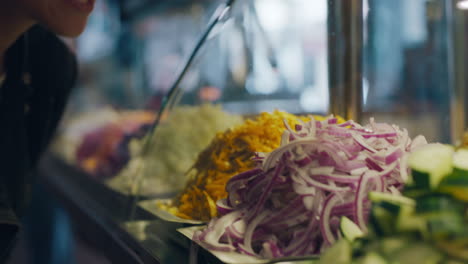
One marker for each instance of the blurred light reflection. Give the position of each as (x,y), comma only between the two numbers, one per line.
(463,4)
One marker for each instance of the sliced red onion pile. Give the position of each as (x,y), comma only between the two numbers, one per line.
(292,203)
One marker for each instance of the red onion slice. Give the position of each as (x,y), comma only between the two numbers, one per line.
(291,204)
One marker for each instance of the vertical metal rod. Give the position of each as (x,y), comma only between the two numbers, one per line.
(335,54)
(345,45)
(457,80)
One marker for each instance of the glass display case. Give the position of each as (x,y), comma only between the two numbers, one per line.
(214,112)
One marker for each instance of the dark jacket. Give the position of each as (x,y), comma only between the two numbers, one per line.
(40,71)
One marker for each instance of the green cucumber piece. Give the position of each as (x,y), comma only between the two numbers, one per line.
(421,180)
(456,185)
(373,258)
(349,229)
(408,221)
(459,192)
(386,210)
(437,203)
(445,225)
(339,253)
(394,209)
(415,192)
(382,220)
(390,198)
(460,160)
(455,179)
(430,164)
(390,245)
(417,253)
(442,213)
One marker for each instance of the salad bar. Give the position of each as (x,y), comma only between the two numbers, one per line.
(217,175)
(287,187)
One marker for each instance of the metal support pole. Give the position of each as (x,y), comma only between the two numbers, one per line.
(459,103)
(457,66)
(345,45)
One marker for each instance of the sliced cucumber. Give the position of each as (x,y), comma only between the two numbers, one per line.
(373,258)
(456,185)
(339,253)
(414,192)
(460,160)
(438,203)
(382,220)
(393,208)
(386,210)
(407,221)
(421,180)
(430,164)
(459,192)
(349,229)
(417,253)
(445,225)
(394,199)
(390,245)
(455,179)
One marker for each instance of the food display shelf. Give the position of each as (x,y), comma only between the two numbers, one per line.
(102,215)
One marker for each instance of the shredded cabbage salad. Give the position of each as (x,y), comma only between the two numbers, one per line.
(178,142)
(290,205)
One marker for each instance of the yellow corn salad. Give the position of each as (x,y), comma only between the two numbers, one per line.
(228,154)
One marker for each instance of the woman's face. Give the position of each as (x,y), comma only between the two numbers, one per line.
(64,17)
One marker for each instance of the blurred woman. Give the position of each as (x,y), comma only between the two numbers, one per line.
(37,72)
